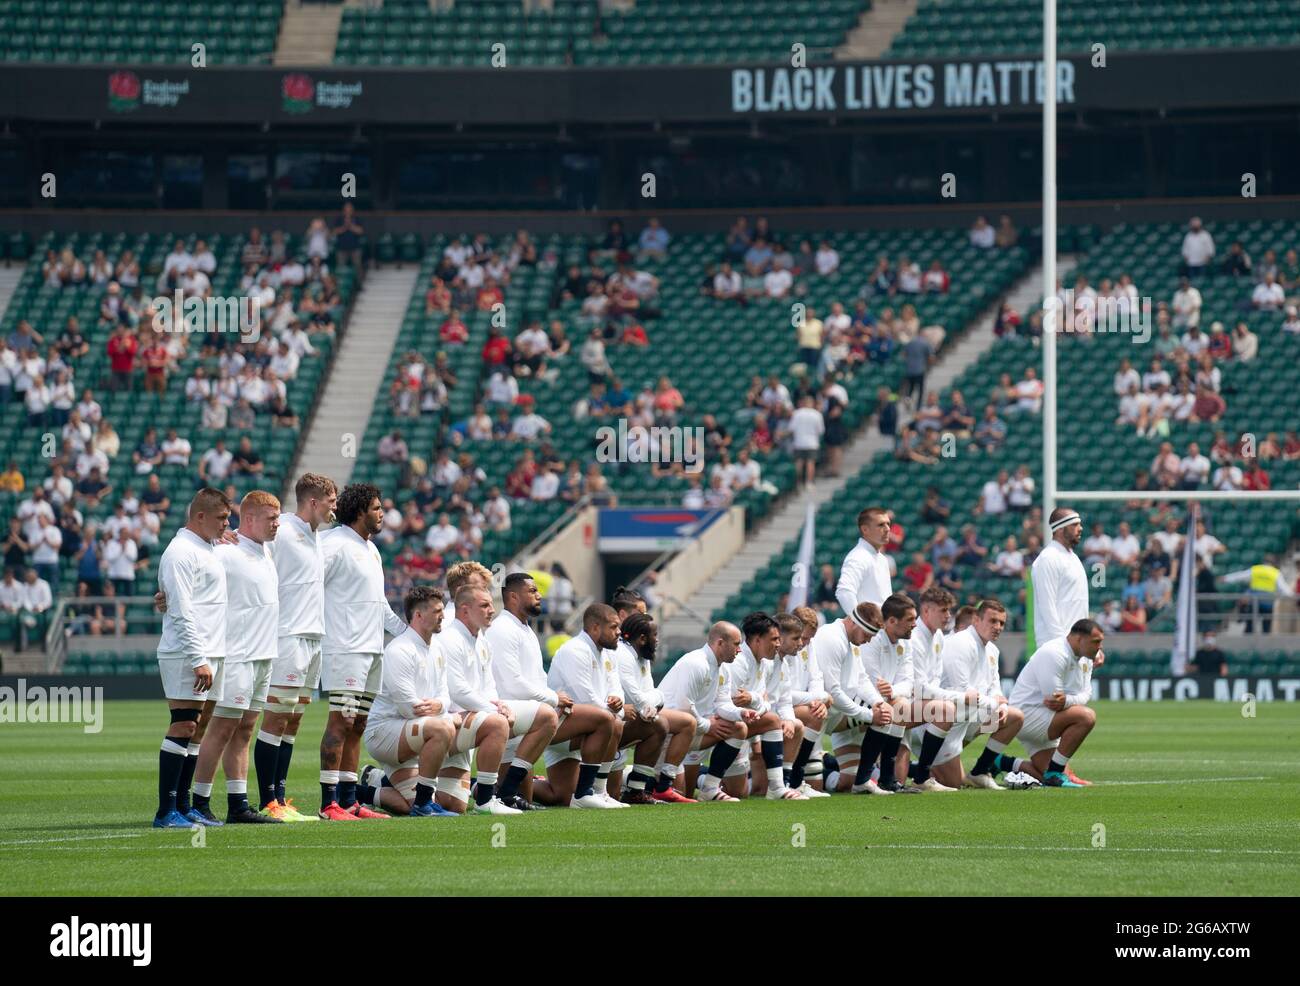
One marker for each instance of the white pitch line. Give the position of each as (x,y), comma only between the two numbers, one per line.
(1185,780)
(72,838)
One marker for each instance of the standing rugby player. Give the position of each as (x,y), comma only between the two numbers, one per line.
(192,646)
(295,672)
(356,615)
(864,573)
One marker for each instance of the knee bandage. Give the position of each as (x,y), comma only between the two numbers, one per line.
(282,699)
(454,787)
(348,703)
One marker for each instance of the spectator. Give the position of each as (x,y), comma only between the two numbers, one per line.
(919,574)
(1256,478)
(653,242)
(347,240)
(530,425)
(982,235)
(122,347)
(1268,295)
(393,448)
(45,548)
(991,432)
(176,450)
(807,426)
(247,461)
(36,600)
(1124,547)
(917,359)
(1197,250)
(1187,305)
(1209,658)
(11,481)
(120,556)
(1245,344)
(1193,469)
(1237,262)
(993,495)
(1006,236)
(935,509)
(593,357)
(1020,490)
(1209,406)
(215,465)
(1157,591)
(1010,562)
(941,545)
(545,486)
(496,511)
(1133,617)
(1097,548)
(810,332)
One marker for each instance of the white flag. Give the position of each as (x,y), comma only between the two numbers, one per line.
(801,578)
(1185,625)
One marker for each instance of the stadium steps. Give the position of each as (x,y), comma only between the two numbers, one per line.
(9,278)
(309,34)
(349,393)
(876,29)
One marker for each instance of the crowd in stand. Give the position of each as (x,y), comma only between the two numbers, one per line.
(242,384)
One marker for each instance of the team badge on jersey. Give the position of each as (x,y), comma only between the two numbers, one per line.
(898,649)
(722,679)
(609,665)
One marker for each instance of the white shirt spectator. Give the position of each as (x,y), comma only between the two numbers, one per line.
(546,485)
(1096,549)
(777,283)
(827,261)
(176,451)
(120,557)
(1187,307)
(92,459)
(529,426)
(1194,468)
(1124,549)
(1198,247)
(45,546)
(1268,297)
(36,596)
(1228,478)
(1124,379)
(217,464)
(806,429)
(441,537)
(502,388)
(993,498)
(28,512)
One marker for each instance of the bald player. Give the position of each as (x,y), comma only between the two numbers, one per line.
(1054,689)
(699,684)
(1060,585)
(864,573)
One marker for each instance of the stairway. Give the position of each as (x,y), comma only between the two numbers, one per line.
(357,372)
(9,278)
(685,629)
(308,34)
(876,29)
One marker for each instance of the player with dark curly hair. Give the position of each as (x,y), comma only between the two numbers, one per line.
(356,615)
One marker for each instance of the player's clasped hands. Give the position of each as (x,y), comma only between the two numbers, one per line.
(427,707)
(882,714)
(885,689)
(1056,702)
(614,703)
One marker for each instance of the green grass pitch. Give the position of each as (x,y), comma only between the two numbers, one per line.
(1194,798)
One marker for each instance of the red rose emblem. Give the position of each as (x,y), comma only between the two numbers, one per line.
(298,91)
(123,91)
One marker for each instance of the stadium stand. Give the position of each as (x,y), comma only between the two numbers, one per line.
(717,353)
(1096,453)
(958,28)
(88,278)
(138,32)
(409,32)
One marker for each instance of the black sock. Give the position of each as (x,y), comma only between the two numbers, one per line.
(1057,763)
(829,763)
(483,793)
(266,758)
(773,753)
(722,757)
(184,782)
(889,758)
(347,794)
(170,765)
(586,780)
(203,802)
(508,787)
(366,794)
(282,768)
(930,747)
(237,802)
(801,758)
(423,795)
(663,783)
(984,765)
(1004,763)
(329,794)
(872,744)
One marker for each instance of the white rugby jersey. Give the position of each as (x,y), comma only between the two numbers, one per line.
(698,684)
(747,675)
(517,660)
(776,688)
(634,675)
(300,565)
(968,663)
(253,597)
(891,660)
(194,581)
(927,664)
(1055,667)
(864,577)
(469,669)
(842,671)
(805,678)
(356,611)
(585,672)
(413,671)
(1060,591)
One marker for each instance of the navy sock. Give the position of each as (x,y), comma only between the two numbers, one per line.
(800,762)
(329,794)
(872,744)
(237,802)
(930,747)
(829,763)
(1004,763)
(170,765)
(282,768)
(203,802)
(347,794)
(984,765)
(184,781)
(586,780)
(1057,764)
(889,758)
(423,795)
(366,794)
(509,785)
(773,753)
(722,757)
(266,759)
(663,783)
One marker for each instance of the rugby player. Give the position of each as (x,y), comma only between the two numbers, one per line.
(756,676)
(864,573)
(356,615)
(1053,689)
(809,697)
(925,739)
(191,648)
